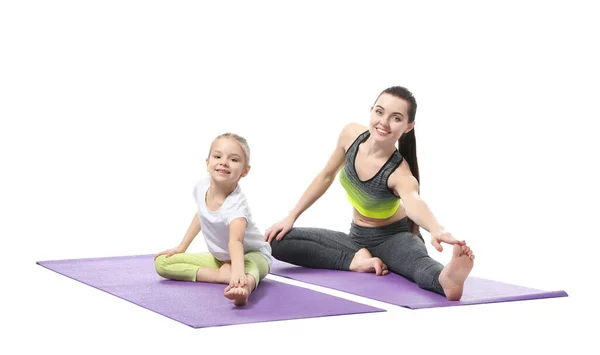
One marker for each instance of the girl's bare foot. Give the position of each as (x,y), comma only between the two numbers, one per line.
(453,276)
(239,295)
(363,261)
(225,273)
(221,275)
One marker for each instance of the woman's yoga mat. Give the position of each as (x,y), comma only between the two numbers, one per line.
(197,304)
(397,290)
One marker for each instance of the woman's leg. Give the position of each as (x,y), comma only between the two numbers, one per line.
(315,248)
(201,267)
(319,248)
(405,254)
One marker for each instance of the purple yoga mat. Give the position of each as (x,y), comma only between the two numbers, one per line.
(198,304)
(397,290)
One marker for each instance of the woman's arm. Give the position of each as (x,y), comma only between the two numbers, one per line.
(407,187)
(321,182)
(318,186)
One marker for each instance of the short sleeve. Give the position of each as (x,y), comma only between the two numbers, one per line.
(195,193)
(239,209)
(199,189)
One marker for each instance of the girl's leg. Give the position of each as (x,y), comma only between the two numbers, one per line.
(256,267)
(201,267)
(325,249)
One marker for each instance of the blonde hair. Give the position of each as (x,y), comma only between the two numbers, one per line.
(241,140)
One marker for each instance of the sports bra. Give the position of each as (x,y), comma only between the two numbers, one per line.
(371,198)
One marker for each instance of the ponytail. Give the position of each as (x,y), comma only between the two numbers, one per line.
(407,145)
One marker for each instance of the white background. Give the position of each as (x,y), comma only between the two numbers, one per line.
(108,109)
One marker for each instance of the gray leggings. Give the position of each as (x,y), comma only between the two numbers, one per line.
(403,252)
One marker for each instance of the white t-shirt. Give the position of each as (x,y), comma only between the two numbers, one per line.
(215,224)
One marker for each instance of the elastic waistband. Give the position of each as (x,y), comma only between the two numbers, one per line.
(369,232)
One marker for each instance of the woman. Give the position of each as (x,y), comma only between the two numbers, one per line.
(384,235)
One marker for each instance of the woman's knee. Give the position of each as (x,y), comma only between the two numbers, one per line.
(280,247)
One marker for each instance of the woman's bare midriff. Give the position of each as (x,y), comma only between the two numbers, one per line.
(363,221)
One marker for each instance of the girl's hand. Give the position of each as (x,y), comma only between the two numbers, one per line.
(279,229)
(443,236)
(170,252)
(238,279)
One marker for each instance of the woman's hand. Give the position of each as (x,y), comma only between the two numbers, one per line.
(279,229)
(442,236)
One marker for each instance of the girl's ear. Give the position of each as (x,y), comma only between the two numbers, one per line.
(246,171)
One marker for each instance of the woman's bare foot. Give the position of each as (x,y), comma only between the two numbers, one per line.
(239,295)
(453,276)
(363,261)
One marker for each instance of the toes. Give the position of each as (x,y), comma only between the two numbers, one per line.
(466,250)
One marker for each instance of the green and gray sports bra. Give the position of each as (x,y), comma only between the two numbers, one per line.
(371,198)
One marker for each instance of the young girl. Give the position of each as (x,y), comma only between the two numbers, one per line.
(238,255)
(376,176)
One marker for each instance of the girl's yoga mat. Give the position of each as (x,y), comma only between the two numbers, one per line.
(397,290)
(197,304)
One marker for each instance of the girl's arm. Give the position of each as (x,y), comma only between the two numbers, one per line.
(191,233)
(189,236)
(237,229)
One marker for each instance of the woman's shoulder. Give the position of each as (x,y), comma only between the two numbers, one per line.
(349,133)
(402,176)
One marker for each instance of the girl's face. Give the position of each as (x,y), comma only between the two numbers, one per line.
(389,118)
(227,161)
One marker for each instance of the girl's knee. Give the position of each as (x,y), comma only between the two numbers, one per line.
(160,264)
(256,264)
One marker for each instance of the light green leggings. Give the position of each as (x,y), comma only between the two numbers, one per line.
(183,267)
